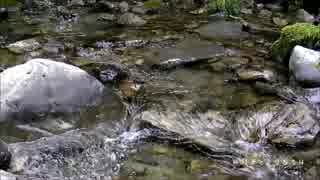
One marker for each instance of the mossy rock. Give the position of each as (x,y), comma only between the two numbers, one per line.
(7,3)
(304,34)
(152,4)
(230,7)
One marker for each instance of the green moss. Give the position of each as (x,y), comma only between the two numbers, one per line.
(6,3)
(303,34)
(231,7)
(152,4)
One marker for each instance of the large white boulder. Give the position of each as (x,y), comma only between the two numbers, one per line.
(304,64)
(45,86)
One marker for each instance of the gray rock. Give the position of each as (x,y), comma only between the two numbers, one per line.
(304,65)
(131,19)
(124,7)
(45,86)
(304,16)
(139,10)
(106,17)
(24,46)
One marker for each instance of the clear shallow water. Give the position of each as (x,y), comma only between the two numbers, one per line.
(115,151)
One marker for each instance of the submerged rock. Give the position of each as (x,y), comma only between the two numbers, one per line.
(305,66)
(223,29)
(24,46)
(45,86)
(249,75)
(131,19)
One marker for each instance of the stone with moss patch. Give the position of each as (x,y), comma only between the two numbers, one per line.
(304,34)
(152,4)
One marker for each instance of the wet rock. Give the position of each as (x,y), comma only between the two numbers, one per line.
(210,129)
(265,13)
(250,75)
(53,48)
(177,62)
(97,55)
(45,86)
(312,174)
(285,124)
(107,17)
(39,4)
(139,10)
(24,46)
(5,156)
(304,65)
(77,3)
(275,7)
(260,6)
(279,21)
(312,95)
(108,6)
(124,7)
(259,30)
(53,157)
(111,73)
(304,16)
(131,19)
(188,51)
(228,63)
(246,11)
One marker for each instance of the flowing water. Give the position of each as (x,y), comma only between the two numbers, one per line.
(186,123)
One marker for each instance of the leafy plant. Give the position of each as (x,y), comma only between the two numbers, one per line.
(230,7)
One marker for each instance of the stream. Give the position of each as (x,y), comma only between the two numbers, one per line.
(202,119)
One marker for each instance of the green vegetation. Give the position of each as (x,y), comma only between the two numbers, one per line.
(152,4)
(230,7)
(304,34)
(6,3)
